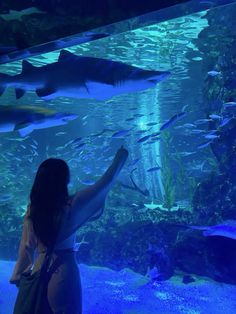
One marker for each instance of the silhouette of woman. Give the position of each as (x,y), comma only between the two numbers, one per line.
(53,217)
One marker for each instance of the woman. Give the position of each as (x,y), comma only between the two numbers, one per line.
(54,217)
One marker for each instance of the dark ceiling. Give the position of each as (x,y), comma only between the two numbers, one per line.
(89,7)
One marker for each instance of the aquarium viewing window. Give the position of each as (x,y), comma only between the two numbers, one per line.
(165,242)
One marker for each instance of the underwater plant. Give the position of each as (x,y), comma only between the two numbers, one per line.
(183,178)
(168,184)
(167,173)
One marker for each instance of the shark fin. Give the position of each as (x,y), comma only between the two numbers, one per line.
(19,92)
(45,91)
(65,54)
(26,66)
(2,89)
(25,131)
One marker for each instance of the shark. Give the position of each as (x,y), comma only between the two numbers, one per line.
(225,229)
(26,119)
(81,77)
(18,15)
(151,205)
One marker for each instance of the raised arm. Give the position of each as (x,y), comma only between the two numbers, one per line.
(86,203)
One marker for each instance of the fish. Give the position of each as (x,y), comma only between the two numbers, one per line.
(225,229)
(229,105)
(16,139)
(215,117)
(143,139)
(133,162)
(5,197)
(203,145)
(211,136)
(179,127)
(59,148)
(213,73)
(80,77)
(208,2)
(139,115)
(80,145)
(26,119)
(172,120)
(78,139)
(85,117)
(154,169)
(155,134)
(225,121)
(60,133)
(151,123)
(18,15)
(151,205)
(197,58)
(202,121)
(197,131)
(189,125)
(141,131)
(87,182)
(33,146)
(184,154)
(184,108)
(120,133)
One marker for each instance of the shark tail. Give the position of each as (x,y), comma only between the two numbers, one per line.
(203,228)
(3,82)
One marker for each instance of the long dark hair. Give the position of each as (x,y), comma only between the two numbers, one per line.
(48,196)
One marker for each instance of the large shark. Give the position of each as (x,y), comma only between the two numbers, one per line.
(81,77)
(25,119)
(225,229)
